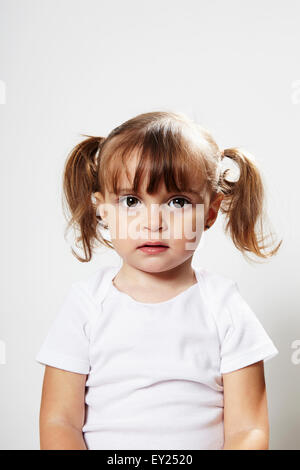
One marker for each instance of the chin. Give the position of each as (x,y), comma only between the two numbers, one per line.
(152,267)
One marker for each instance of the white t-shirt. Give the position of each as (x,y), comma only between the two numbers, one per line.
(154,369)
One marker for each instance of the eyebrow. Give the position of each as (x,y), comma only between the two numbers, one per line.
(190,191)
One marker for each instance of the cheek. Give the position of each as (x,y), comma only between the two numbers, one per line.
(184,225)
(124,226)
(197,219)
(187,230)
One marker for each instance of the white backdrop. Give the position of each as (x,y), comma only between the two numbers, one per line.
(70,67)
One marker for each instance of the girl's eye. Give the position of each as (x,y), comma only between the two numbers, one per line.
(131,202)
(181,204)
(129,199)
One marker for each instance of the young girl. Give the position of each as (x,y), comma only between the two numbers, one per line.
(154,353)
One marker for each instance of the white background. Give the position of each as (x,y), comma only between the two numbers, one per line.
(73,67)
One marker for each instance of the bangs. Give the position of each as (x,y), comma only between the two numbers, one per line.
(173,156)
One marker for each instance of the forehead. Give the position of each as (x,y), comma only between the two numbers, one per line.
(127,172)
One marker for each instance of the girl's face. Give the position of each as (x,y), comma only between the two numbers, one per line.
(174,219)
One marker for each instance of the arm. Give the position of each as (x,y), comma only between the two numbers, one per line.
(246,424)
(62,410)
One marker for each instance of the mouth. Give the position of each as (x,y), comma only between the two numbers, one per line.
(153,244)
(153,248)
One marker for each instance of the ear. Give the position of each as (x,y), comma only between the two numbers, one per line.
(99,197)
(99,202)
(213,210)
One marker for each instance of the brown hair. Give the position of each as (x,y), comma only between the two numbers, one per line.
(169,146)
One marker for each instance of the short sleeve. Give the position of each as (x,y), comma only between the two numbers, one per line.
(246,340)
(66,345)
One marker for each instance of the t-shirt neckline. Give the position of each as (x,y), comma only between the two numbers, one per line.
(152,304)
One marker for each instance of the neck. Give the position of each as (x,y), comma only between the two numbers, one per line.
(180,276)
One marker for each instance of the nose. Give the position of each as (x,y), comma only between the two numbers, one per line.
(153,218)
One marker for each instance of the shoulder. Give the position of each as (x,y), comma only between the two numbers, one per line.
(227,305)
(81,302)
(92,286)
(218,292)
(216,285)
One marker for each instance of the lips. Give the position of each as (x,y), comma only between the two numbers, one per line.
(153,244)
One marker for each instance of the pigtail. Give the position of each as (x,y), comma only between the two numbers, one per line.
(80,181)
(243,205)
